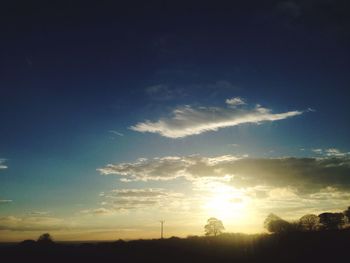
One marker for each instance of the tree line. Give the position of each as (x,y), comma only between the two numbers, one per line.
(309,222)
(275,224)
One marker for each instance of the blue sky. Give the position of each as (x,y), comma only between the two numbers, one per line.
(75,79)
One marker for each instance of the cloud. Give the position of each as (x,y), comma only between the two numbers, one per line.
(289,186)
(98,211)
(150,192)
(331,152)
(31,223)
(166,168)
(318,151)
(2,164)
(292,203)
(130,199)
(306,174)
(39,213)
(233,102)
(116,132)
(188,120)
(335,152)
(5,201)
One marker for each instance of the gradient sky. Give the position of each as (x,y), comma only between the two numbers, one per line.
(115,117)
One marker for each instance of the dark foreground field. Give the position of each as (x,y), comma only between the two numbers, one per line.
(326,246)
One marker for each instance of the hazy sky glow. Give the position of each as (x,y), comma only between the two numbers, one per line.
(115,117)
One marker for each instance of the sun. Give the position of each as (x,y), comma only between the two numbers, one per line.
(226,203)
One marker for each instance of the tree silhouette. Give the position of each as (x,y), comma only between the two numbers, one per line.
(309,222)
(45,239)
(275,224)
(347,213)
(213,227)
(332,221)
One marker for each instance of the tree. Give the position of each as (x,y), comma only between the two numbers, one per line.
(309,222)
(332,221)
(347,213)
(275,224)
(45,239)
(213,227)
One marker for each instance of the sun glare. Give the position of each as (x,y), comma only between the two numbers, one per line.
(226,203)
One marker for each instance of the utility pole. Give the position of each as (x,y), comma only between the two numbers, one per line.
(161,228)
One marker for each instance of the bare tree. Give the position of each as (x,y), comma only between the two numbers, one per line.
(213,227)
(309,222)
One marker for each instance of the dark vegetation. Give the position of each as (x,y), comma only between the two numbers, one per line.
(322,238)
(309,222)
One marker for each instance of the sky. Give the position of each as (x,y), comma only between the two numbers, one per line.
(114,117)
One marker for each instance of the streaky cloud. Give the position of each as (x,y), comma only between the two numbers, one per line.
(2,164)
(122,200)
(116,132)
(187,120)
(31,223)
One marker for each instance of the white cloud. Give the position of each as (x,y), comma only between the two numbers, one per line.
(2,164)
(188,120)
(318,151)
(335,152)
(331,152)
(233,102)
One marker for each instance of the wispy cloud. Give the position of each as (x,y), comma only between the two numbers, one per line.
(318,151)
(39,213)
(331,152)
(2,164)
(124,200)
(116,132)
(98,211)
(166,168)
(188,120)
(31,223)
(335,152)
